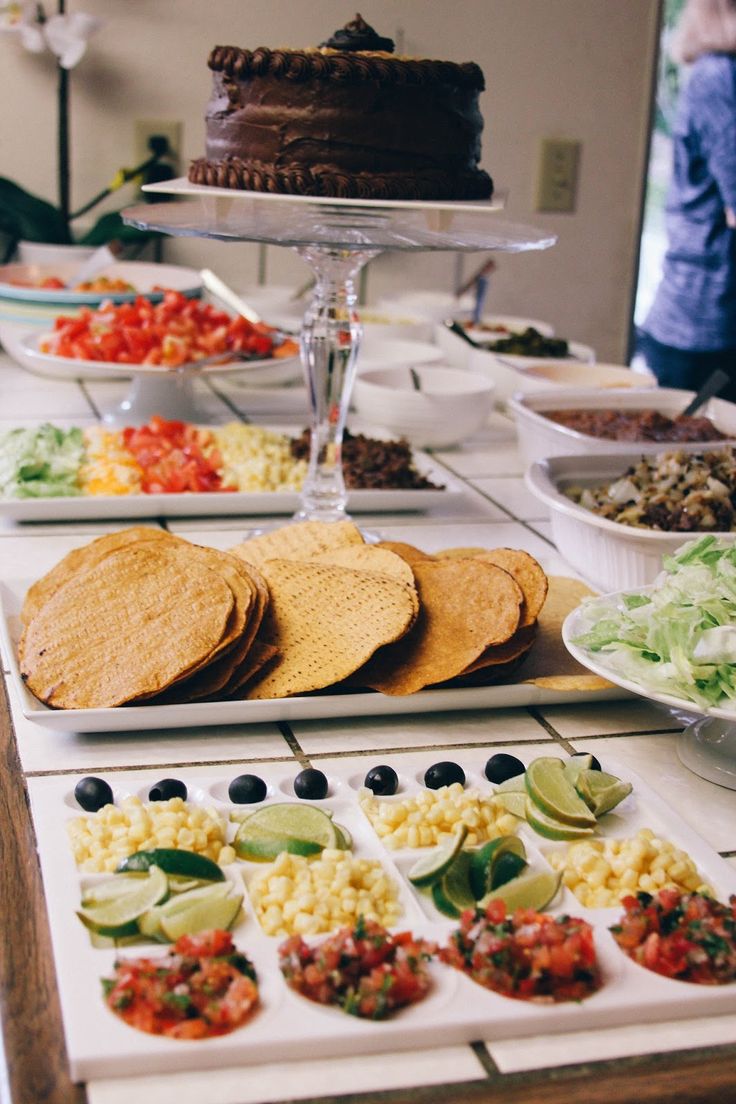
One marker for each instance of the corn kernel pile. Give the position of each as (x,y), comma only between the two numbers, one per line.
(426,818)
(601,872)
(99,841)
(257,459)
(300,896)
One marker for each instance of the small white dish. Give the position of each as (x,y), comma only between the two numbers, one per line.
(449,405)
(377,352)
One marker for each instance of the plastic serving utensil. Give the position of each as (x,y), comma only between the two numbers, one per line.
(101,258)
(226,295)
(715,382)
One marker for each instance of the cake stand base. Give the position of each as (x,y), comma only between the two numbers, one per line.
(172,396)
(708,748)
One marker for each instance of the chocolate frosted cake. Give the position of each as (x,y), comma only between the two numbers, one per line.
(346,119)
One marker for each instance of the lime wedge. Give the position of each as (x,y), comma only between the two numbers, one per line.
(575,764)
(456,882)
(118,912)
(443,903)
(507,866)
(113,888)
(202,915)
(483,860)
(289,820)
(600,791)
(344,838)
(553,829)
(517,784)
(429,868)
(534,890)
(513,802)
(267,848)
(552,791)
(186,864)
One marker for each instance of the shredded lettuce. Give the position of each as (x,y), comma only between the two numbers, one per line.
(678,636)
(40,463)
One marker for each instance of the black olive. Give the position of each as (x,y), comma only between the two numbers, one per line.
(594,764)
(310,784)
(501,766)
(443,774)
(92,793)
(382,780)
(247,789)
(166,789)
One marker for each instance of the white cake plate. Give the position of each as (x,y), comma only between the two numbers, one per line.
(336,238)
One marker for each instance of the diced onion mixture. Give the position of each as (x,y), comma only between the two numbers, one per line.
(364,969)
(673,491)
(529,955)
(689,936)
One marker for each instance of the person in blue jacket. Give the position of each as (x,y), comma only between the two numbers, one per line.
(690,330)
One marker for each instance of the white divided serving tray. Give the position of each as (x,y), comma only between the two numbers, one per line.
(287,1026)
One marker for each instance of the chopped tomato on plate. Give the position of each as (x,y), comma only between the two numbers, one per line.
(175,457)
(173,332)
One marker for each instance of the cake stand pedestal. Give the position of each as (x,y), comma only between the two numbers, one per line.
(707,747)
(336,238)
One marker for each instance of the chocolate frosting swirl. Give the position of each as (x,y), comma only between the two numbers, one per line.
(358,35)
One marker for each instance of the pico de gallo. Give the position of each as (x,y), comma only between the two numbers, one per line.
(688,936)
(173,332)
(203,987)
(529,956)
(365,970)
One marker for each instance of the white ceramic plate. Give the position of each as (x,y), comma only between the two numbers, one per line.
(48,364)
(245,504)
(596,662)
(144,276)
(288,1027)
(309,707)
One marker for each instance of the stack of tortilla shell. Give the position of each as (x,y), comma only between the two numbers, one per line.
(144,616)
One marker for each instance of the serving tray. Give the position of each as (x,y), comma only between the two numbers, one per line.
(308,707)
(289,1027)
(245,503)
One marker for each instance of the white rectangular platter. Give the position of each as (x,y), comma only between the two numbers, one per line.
(235,503)
(287,1026)
(308,707)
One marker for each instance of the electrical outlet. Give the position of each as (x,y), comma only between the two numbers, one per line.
(149,128)
(558,175)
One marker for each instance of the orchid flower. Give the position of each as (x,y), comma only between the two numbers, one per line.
(66,36)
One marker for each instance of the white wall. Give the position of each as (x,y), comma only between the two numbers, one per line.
(577,69)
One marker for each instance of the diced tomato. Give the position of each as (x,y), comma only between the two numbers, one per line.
(365,970)
(173,332)
(530,955)
(203,987)
(689,936)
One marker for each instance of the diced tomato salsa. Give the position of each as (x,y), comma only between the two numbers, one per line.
(365,970)
(203,987)
(530,955)
(688,936)
(175,457)
(173,332)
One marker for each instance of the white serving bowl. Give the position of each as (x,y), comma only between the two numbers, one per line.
(458,351)
(387,325)
(450,406)
(611,556)
(540,437)
(433,305)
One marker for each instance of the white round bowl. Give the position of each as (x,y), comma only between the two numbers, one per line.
(450,406)
(376,352)
(434,305)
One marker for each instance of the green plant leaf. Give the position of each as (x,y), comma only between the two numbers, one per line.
(110,227)
(24,216)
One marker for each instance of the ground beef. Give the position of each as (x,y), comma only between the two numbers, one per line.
(370,464)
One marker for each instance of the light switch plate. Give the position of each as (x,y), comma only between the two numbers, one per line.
(558,175)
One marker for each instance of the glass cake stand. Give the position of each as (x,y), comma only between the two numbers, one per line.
(336,238)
